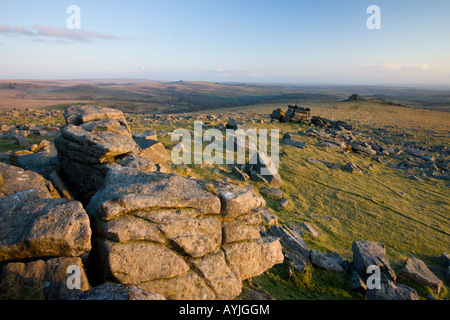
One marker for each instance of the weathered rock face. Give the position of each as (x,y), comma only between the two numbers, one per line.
(36,228)
(390,291)
(153,150)
(417,271)
(15,179)
(182,238)
(94,141)
(326,262)
(370,253)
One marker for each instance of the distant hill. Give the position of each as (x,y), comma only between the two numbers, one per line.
(133,95)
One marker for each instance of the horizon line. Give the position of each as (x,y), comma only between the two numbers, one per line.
(287,83)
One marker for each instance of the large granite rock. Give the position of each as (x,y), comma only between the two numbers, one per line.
(15,179)
(36,228)
(417,271)
(370,253)
(179,237)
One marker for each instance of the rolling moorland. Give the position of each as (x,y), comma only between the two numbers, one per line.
(398,197)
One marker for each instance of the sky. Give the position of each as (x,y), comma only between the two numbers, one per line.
(297,41)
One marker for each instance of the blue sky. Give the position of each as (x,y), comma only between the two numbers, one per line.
(322,41)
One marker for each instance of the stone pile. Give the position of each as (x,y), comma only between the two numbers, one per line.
(294,113)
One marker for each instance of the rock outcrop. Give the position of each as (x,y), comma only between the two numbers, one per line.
(183,238)
(38,228)
(97,139)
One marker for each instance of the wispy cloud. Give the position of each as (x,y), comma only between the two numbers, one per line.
(15,30)
(58,34)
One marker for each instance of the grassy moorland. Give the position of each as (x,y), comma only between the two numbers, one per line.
(406,211)
(409,216)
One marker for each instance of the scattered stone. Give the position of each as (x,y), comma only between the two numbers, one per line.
(238,173)
(252,291)
(153,150)
(262,164)
(269,218)
(297,262)
(352,168)
(291,240)
(284,202)
(391,291)
(149,134)
(445,259)
(288,141)
(360,148)
(326,262)
(272,193)
(317,162)
(357,283)
(416,270)
(311,229)
(370,253)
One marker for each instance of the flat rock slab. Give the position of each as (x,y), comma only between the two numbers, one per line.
(15,179)
(78,115)
(75,142)
(128,189)
(291,240)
